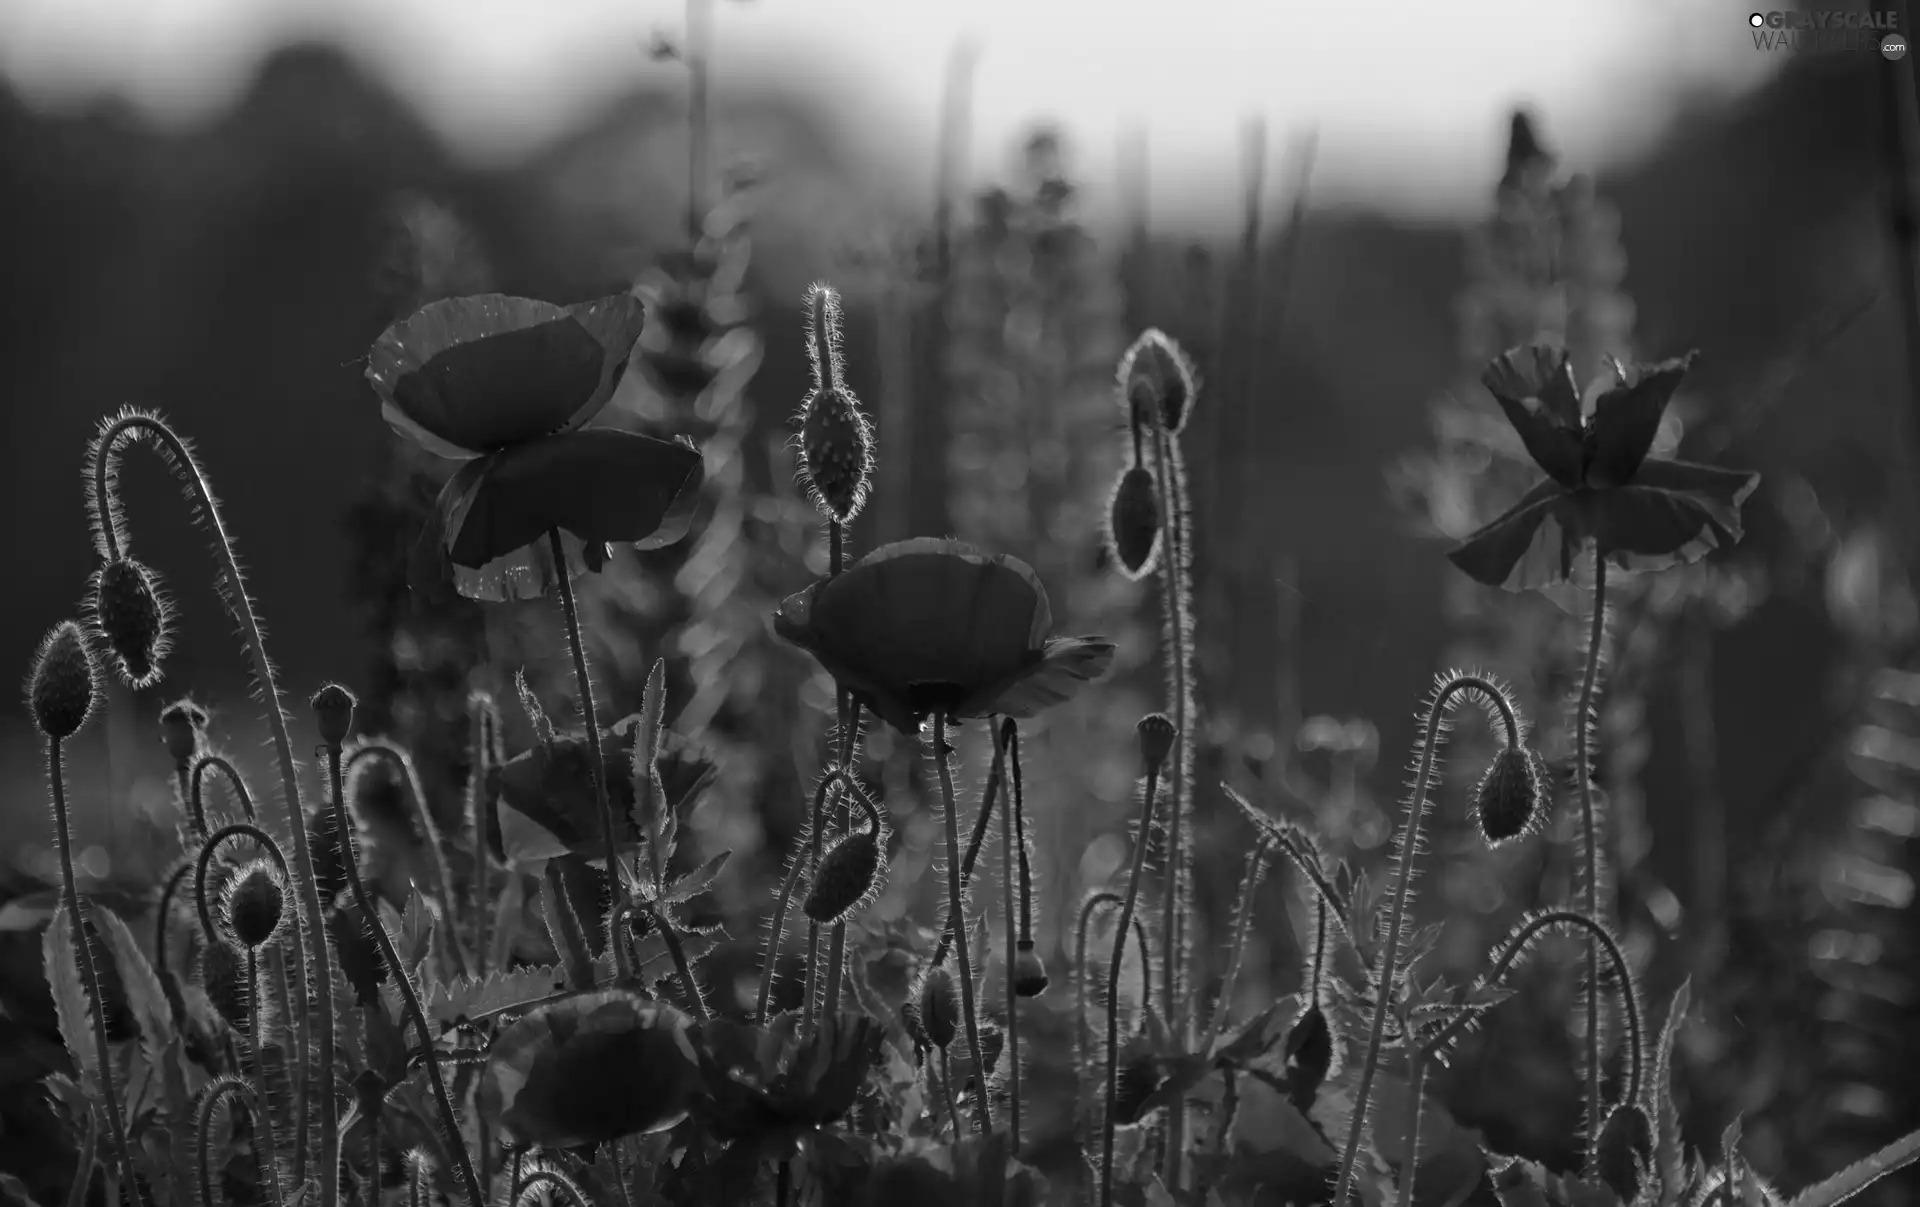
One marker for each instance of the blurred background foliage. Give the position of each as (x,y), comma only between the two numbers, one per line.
(1759,734)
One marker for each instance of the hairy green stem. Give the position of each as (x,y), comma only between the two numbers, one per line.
(403,980)
(1140,843)
(83,951)
(1008,872)
(197,788)
(975,841)
(210,1098)
(548,1178)
(777,930)
(269,1135)
(958,920)
(1242,922)
(1093,902)
(1416,1083)
(1407,849)
(615,886)
(231,586)
(417,792)
(1590,834)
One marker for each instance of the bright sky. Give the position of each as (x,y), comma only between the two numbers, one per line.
(1409,96)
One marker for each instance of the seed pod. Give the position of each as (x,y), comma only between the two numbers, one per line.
(939,1006)
(846,876)
(333,709)
(61,689)
(1625,1144)
(1157,733)
(1309,1051)
(223,974)
(1133,522)
(183,731)
(1029,971)
(1509,795)
(130,614)
(256,904)
(836,452)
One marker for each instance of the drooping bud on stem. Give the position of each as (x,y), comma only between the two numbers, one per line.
(850,872)
(939,1006)
(183,731)
(1508,798)
(256,904)
(130,613)
(1133,522)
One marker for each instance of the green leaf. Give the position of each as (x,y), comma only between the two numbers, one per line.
(697,881)
(415,937)
(1669,1155)
(83,1165)
(470,997)
(14,1192)
(71,1007)
(145,997)
(1861,1174)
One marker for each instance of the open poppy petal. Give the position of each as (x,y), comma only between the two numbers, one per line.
(604,486)
(1626,419)
(1069,662)
(1722,491)
(1534,386)
(1648,529)
(525,573)
(1521,548)
(472,375)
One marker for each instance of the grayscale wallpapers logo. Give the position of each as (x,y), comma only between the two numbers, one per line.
(1830,30)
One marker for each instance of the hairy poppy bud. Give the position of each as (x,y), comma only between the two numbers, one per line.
(1156,738)
(1309,1051)
(845,878)
(1626,1142)
(1029,972)
(256,902)
(223,974)
(333,709)
(183,730)
(836,452)
(1139,1078)
(1154,372)
(61,689)
(130,614)
(1509,795)
(939,1006)
(1133,522)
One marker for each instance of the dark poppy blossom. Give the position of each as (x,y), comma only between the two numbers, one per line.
(768,1086)
(926,626)
(1601,487)
(546,806)
(507,385)
(589,1068)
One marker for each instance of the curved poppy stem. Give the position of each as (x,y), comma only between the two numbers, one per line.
(403,980)
(1140,842)
(622,965)
(269,1139)
(1590,831)
(777,929)
(109,523)
(443,878)
(1093,902)
(981,822)
(982,1116)
(849,710)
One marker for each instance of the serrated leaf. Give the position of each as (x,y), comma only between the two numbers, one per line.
(1861,1174)
(1669,1154)
(697,881)
(470,997)
(71,1007)
(83,1165)
(145,996)
(415,937)
(1257,1036)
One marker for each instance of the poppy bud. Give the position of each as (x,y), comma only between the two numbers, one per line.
(1156,738)
(1309,1050)
(130,615)
(1133,522)
(846,876)
(61,689)
(223,975)
(255,904)
(1029,972)
(836,452)
(1139,1078)
(1626,1142)
(939,1006)
(1154,372)
(183,730)
(1508,795)
(333,709)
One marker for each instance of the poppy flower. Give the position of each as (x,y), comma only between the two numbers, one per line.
(589,1068)
(507,386)
(769,1085)
(926,625)
(1601,487)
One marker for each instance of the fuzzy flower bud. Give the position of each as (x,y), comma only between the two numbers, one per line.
(256,903)
(130,614)
(1133,522)
(61,689)
(1029,972)
(1157,733)
(223,975)
(1509,795)
(183,731)
(333,709)
(939,1006)
(836,452)
(1309,1050)
(1155,373)
(1626,1142)
(846,876)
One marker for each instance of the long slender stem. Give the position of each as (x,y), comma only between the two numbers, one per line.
(981,822)
(442,876)
(1113,979)
(849,714)
(1407,847)
(1242,922)
(403,980)
(1174,598)
(1416,1084)
(982,1116)
(269,1139)
(1009,870)
(777,929)
(696,1001)
(233,593)
(1590,852)
(588,713)
(83,952)
(1093,902)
